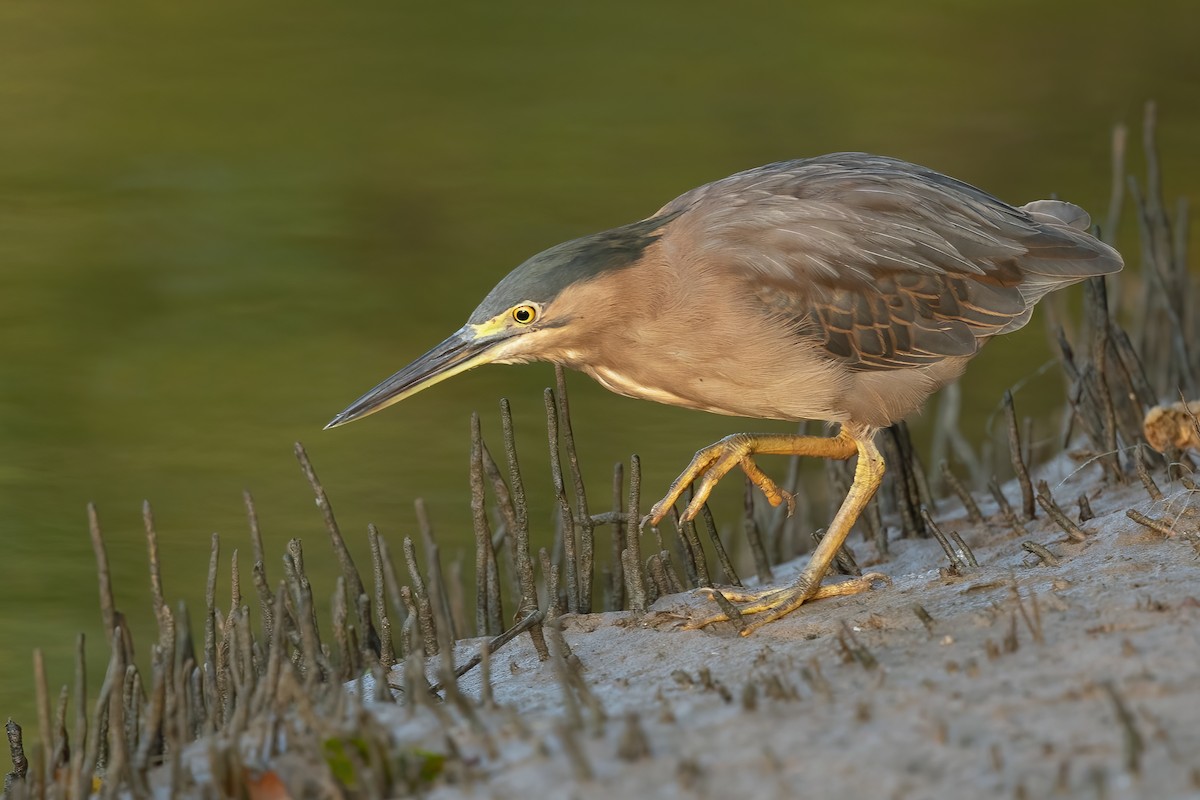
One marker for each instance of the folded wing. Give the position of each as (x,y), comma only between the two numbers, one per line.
(888,264)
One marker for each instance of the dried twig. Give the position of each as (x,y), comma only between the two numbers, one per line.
(1005,508)
(522,555)
(587,545)
(1047,558)
(1046,501)
(961,558)
(969,504)
(1015,454)
(1156,525)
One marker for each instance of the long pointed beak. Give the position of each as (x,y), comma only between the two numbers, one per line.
(463,350)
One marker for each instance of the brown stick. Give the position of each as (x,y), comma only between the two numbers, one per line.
(631,556)
(1046,501)
(1018,461)
(964,496)
(522,555)
(587,544)
(354,582)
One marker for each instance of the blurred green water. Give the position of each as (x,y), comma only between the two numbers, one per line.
(221,222)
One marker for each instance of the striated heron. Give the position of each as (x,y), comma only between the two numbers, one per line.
(845,288)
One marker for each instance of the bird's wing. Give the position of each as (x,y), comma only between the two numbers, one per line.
(889,264)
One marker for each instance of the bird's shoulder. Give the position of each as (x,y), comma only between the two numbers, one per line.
(852,216)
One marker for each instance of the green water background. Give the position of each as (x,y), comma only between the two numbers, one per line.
(221,222)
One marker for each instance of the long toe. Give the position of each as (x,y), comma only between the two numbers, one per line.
(768,605)
(738,594)
(771,490)
(780,606)
(856,585)
(713,462)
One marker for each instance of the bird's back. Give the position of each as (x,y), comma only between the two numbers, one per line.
(894,273)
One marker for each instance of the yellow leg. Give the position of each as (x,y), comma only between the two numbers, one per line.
(715,461)
(775,603)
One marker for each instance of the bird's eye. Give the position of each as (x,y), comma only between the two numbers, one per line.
(524,315)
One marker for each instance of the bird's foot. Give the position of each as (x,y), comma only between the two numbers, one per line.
(772,604)
(708,467)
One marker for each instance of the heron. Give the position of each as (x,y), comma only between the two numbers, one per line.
(846,288)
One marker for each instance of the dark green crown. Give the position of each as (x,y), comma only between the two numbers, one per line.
(547,274)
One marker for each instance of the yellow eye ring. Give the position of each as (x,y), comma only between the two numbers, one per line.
(524,315)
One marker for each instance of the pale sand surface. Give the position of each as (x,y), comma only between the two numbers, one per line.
(974,707)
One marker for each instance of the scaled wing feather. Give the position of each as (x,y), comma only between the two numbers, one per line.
(889,265)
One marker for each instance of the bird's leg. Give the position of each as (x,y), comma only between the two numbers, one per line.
(775,603)
(715,461)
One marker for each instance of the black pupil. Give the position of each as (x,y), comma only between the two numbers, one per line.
(524,314)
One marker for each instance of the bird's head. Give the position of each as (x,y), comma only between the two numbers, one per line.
(547,309)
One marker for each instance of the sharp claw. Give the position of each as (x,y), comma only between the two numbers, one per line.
(783,496)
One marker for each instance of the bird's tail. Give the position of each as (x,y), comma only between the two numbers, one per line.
(1058,212)
(1063,252)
